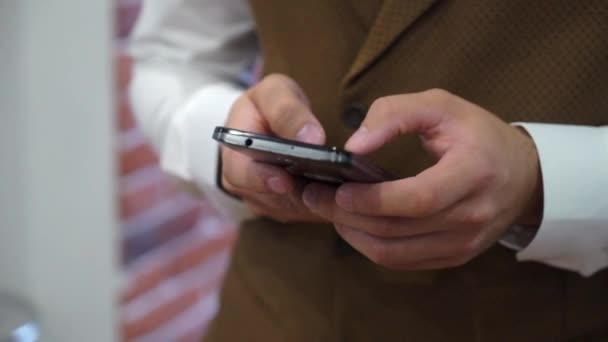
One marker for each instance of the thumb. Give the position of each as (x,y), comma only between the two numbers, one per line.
(286,111)
(390,117)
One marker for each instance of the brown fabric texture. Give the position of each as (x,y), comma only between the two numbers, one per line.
(540,61)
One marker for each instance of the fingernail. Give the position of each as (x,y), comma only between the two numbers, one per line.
(310,133)
(276,184)
(310,197)
(357,139)
(344,198)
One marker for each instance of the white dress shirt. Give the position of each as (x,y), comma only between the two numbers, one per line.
(189,55)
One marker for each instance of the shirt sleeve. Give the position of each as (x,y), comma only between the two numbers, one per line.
(574,231)
(188,58)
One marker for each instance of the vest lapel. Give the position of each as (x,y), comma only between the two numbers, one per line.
(392,20)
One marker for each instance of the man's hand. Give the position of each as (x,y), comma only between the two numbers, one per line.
(486,178)
(275,106)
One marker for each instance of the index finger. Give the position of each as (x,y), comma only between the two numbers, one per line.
(392,116)
(434,189)
(286,110)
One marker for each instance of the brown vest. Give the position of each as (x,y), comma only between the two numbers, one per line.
(543,61)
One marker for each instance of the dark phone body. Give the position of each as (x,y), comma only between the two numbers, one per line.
(330,165)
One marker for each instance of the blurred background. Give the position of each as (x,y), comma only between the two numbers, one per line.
(175,247)
(96,244)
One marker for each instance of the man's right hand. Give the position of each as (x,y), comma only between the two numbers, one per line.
(275,106)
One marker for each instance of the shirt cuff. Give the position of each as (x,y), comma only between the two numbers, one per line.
(190,153)
(574,232)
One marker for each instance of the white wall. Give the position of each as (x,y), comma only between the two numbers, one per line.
(58,229)
(12,272)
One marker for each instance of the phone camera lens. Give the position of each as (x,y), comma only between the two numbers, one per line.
(248,142)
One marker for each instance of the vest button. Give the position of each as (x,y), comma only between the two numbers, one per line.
(353,115)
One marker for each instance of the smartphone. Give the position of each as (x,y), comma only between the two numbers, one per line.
(315,162)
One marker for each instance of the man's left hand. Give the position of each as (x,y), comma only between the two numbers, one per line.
(486,179)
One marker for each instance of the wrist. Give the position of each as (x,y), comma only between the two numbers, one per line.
(532,212)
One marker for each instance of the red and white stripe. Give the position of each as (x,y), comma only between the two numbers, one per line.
(175,247)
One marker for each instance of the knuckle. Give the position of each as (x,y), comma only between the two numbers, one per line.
(384,228)
(285,206)
(239,103)
(365,200)
(286,116)
(326,212)
(266,85)
(252,95)
(277,78)
(480,216)
(381,254)
(285,109)
(254,178)
(470,249)
(423,203)
(274,202)
(381,105)
(341,229)
(485,175)
(439,97)
(288,206)
(437,93)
